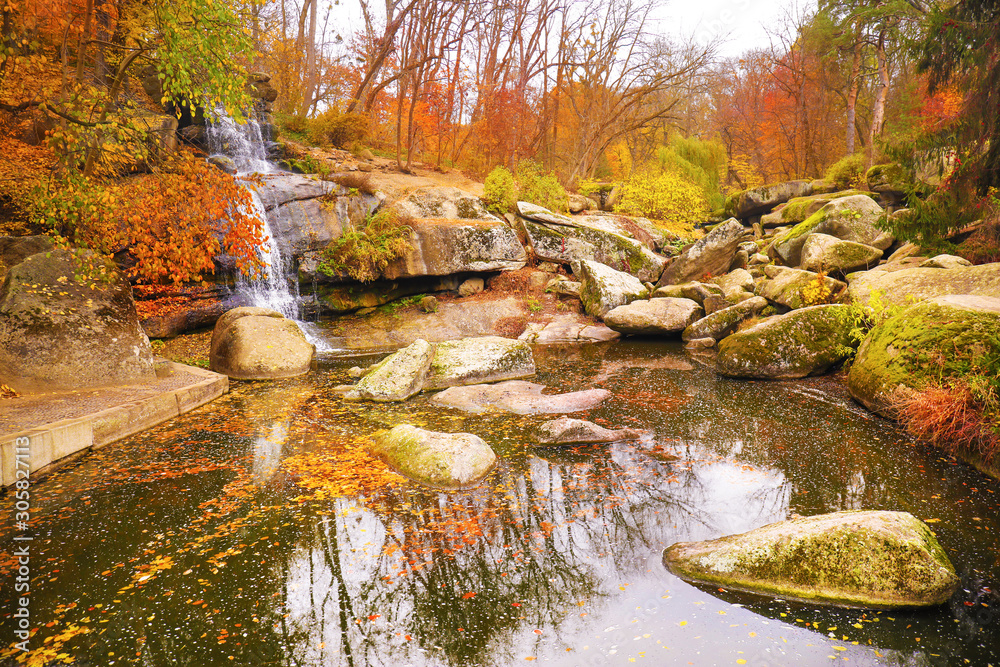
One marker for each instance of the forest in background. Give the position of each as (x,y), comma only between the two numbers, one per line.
(582,89)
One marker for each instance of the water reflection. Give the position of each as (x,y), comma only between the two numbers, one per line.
(192,543)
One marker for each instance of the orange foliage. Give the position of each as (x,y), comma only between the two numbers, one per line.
(942,109)
(177,221)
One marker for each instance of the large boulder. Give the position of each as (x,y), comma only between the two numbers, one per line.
(444,203)
(711,255)
(797,210)
(567,328)
(519,397)
(258,344)
(848,218)
(926,342)
(569,431)
(439,460)
(890,180)
(608,240)
(654,317)
(724,322)
(15,249)
(305,227)
(866,559)
(916,284)
(822,252)
(479,360)
(445,247)
(735,282)
(804,342)
(694,291)
(795,288)
(756,201)
(399,376)
(68,321)
(603,289)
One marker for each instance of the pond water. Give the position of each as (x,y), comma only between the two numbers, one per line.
(256,531)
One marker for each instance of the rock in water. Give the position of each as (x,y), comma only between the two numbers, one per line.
(259,344)
(440,460)
(711,255)
(399,376)
(475,360)
(723,322)
(803,342)
(656,316)
(68,321)
(603,289)
(519,397)
(867,559)
(568,431)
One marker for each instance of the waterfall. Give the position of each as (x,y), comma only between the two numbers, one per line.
(244,145)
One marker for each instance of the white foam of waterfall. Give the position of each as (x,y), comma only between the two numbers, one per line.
(244,144)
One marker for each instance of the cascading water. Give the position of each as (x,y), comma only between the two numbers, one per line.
(244,144)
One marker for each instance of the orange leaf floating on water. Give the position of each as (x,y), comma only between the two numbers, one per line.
(372,617)
(468,595)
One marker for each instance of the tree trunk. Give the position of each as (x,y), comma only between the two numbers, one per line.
(854,85)
(878,112)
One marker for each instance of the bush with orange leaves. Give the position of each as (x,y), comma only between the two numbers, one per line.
(952,418)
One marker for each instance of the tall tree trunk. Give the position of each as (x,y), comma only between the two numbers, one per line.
(81,52)
(854,85)
(309,73)
(878,112)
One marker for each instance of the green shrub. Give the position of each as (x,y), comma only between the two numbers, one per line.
(848,172)
(667,197)
(333,128)
(365,252)
(498,190)
(698,161)
(538,188)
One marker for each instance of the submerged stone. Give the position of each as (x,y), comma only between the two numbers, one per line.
(654,317)
(867,559)
(399,376)
(440,460)
(476,360)
(519,397)
(568,431)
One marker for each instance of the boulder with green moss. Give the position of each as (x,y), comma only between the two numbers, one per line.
(808,341)
(798,209)
(734,283)
(862,559)
(446,247)
(761,200)
(439,460)
(724,322)
(477,360)
(603,289)
(795,288)
(397,377)
(654,317)
(849,219)
(891,179)
(929,341)
(822,252)
(709,256)
(916,284)
(694,290)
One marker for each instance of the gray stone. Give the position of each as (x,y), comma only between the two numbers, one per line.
(478,360)
(822,252)
(579,203)
(68,321)
(445,247)
(795,288)
(865,559)
(399,376)
(471,286)
(761,200)
(602,288)
(569,431)
(15,249)
(564,286)
(808,341)
(724,322)
(444,203)
(848,218)
(916,284)
(697,344)
(945,262)
(429,304)
(711,255)
(519,397)
(735,282)
(693,290)
(439,460)
(565,329)
(654,317)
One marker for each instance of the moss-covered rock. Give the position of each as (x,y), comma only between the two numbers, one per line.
(798,209)
(709,256)
(694,290)
(890,179)
(476,360)
(866,559)
(795,288)
(914,347)
(761,200)
(916,284)
(803,342)
(654,317)
(822,252)
(735,282)
(260,347)
(724,322)
(849,219)
(603,289)
(446,247)
(399,376)
(439,460)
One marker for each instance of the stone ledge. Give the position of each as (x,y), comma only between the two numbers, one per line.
(57,443)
